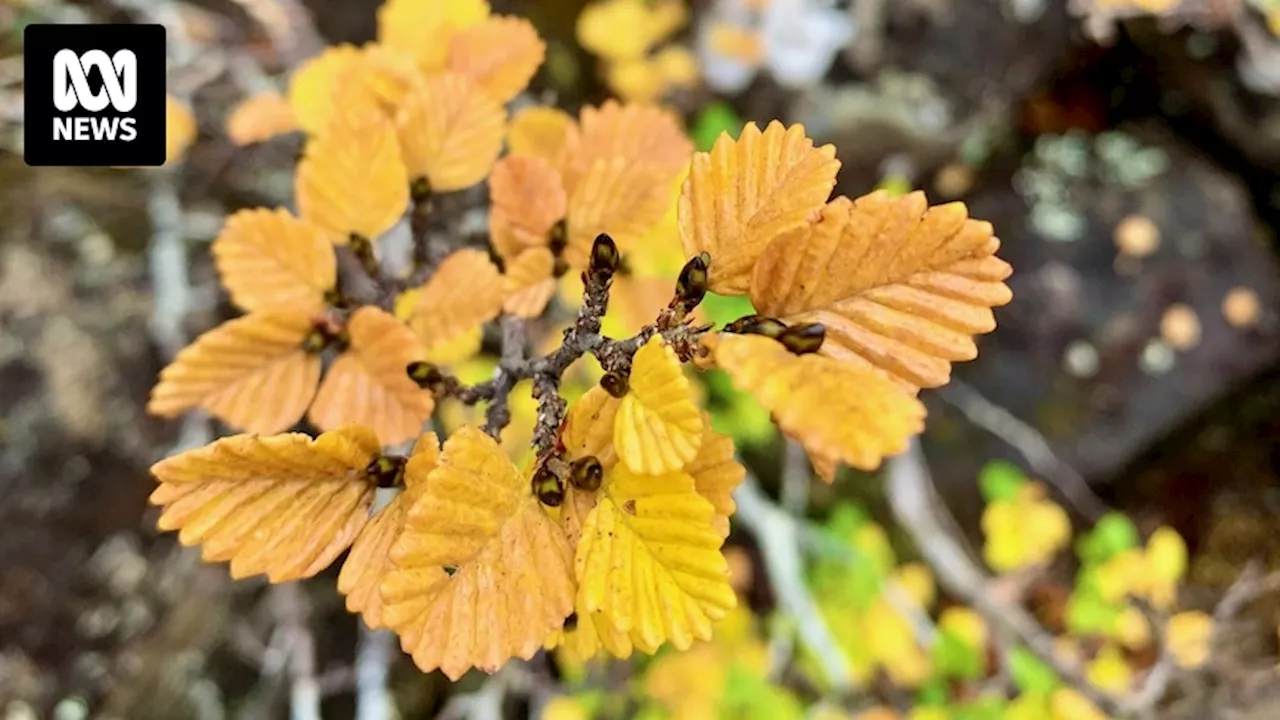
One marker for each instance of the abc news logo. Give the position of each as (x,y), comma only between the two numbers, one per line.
(94,95)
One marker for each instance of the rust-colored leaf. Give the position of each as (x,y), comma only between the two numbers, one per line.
(527,199)
(450,131)
(500,53)
(269,259)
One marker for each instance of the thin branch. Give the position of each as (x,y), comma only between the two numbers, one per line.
(1029,443)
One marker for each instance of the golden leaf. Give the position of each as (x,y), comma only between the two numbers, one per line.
(658,427)
(482,573)
(588,427)
(642,134)
(368,384)
(450,132)
(311,86)
(345,80)
(458,349)
(543,132)
(423,28)
(614,197)
(744,193)
(527,199)
(251,372)
(369,560)
(528,283)
(260,117)
(285,506)
(716,474)
(501,54)
(270,259)
(180,128)
(353,180)
(835,410)
(615,29)
(465,291)
(901,287)
(649,560)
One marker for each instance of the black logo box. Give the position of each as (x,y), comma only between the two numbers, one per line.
(41,42)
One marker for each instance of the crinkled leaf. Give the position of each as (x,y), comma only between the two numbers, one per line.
(482,573)
(616,197)
(746,192)
(269,259)
(716,473)
(465,291)
(641,134)
(368,384)
(658,428)
(450,131)
(501,54)
(423,28)
(250,372)
(346,80)
(835,410)
(353,180)
(901,287)
(528,283)
(260,117)
(649,560)
(285,506)
(527,199)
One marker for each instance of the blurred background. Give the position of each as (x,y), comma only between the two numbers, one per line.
(1126,151)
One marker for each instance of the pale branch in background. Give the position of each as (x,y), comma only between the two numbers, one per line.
(375,651)
(291,610)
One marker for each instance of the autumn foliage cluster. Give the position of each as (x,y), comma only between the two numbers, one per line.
(607,533)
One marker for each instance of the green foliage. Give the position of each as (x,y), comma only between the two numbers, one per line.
(999,481)
(1113,534)
(715,118)
(1030,675)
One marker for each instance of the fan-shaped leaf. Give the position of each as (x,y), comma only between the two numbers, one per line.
(344,80)
(251,372)
(465,291)
(616,197)
(285,506)
(368,385)
(260,117)
(588,428)
(423,28)
(835,410)
(642,134)
(716,474)
(543,132)
(744,193)
(352,179)
(527,199)
(500,53)
(450,131)
(901,287)
(658,428)
(528,283)
(482,573)
(268,259)
(649,560)
(369,560)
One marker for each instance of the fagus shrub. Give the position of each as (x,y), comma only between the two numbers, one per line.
(607,533)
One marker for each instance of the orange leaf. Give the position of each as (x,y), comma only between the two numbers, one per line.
(450,132)
(543,132)
(500,53)
(745,193)
(423,28)
(369,559)
(465,291)
(528,283)
(482,573)
(260,117)
(644,134)
(901,287)
(368,384)
(527,199)
(716,474)
(614,197)
(270,259)
(180,128)
(285,506)
(352,180)
(251,372)
(835,410)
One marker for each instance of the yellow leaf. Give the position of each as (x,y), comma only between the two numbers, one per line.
(368,384)
(964,624)
(528,283)
(260,117)
(423,28)
(1190,635)
(458,349)
(836,411)
(677,65)
(615,29)
(450,132)
(744,193)
(649,560)
(285,506)
(901,287)
(543,132)
(482,573)
(636,80)
(644,135)
(465,292)
(1166,555)
(563,707)
(251,372)
(1026,531)
(369,559)
(353,180)
(527,199)
(658,428)
(1123,575)
(500,54)
(617,197)
(1069,704)
(180,128)
(1132,629)
(269,259)
(690,684)
(346,80)
(716,474)
(588,427)
(916,579)
(1109,671)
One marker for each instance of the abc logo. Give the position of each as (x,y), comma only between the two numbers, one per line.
(71,90)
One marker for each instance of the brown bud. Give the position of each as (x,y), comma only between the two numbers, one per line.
(586,473)
(558,238)
(803,339)
(315,342)
(386,471)
(547,487)
(420,190)
(604,256)
(571,622)
(691,286)
(426,375)
(560,267)
(615,383)
(756,325)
